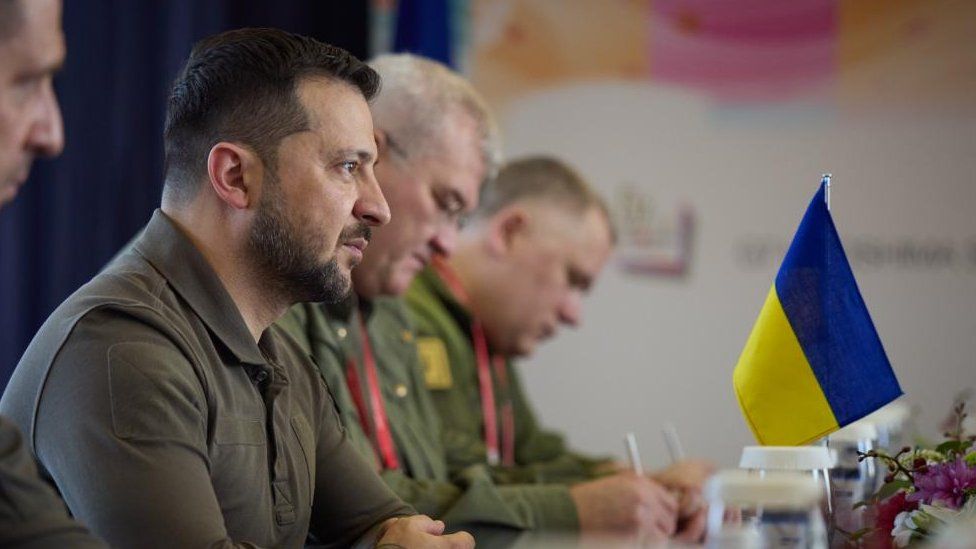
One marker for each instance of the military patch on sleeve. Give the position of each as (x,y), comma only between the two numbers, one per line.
(433,355)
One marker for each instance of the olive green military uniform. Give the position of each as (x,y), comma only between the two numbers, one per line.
(31,515)
(444,338)
(164,424)
(332,335)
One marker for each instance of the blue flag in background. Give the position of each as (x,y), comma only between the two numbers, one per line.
(813,362)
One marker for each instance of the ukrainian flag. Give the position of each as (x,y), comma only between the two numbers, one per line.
(814,362)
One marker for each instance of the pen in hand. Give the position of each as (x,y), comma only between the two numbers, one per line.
(630,440)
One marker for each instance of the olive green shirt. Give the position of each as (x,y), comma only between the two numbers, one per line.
(443,328)
(163,424)
(332,334)
(31,515)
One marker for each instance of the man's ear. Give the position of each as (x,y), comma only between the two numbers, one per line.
(235,174)
(505,228)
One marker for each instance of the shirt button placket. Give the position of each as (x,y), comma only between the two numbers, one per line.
(281,480)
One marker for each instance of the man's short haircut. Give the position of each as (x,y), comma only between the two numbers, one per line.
(11,17)
(241,86)
(542,179)
(419,96)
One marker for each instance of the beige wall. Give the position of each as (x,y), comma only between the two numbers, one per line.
(654,349)
(886,102)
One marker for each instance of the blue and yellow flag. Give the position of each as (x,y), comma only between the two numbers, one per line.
(814,362)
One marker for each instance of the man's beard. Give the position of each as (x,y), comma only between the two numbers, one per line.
(287,259)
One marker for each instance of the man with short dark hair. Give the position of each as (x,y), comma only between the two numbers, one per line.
(31,50)
(158,398)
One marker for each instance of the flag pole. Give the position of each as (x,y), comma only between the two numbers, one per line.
(826,181)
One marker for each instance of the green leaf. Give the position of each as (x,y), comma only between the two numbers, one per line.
(954,446)
(891,488)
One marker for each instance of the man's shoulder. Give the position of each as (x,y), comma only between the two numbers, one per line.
(422,293)
(125,285)
(438,324)
(126,304)
(129,290)
(428,310)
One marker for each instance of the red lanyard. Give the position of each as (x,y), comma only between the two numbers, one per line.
(508,414)
(383,440)
(485,362)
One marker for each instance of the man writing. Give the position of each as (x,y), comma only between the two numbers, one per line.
(521,267)
(158,398)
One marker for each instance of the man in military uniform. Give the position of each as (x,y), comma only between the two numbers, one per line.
(31,51)
(436,147)
(158,398)
(521,267)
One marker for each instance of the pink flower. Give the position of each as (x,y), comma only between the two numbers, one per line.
(944,482)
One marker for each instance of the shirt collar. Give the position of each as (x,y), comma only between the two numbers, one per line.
(172,253)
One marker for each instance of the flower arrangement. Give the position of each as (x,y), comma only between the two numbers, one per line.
(925,490)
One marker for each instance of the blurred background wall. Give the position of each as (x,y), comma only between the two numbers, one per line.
(706,124)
